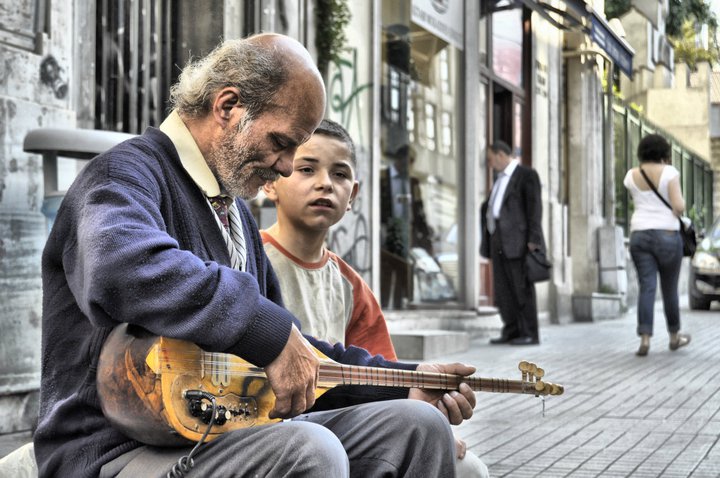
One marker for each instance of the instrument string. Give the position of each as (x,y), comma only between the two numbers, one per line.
(336,374)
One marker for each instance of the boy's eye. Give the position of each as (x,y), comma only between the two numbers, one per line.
(305,169)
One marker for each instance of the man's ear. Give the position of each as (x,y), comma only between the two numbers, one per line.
(226,100)
(353,195)
(269,190)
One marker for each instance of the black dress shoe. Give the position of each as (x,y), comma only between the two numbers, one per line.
(503,339)
(524,341)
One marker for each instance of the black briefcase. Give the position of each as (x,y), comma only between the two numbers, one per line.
(537,266)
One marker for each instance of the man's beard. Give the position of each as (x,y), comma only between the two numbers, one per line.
(234,166)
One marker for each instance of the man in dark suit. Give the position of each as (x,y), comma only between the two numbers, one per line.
(511,218)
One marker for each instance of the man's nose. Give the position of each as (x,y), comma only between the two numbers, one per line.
(284,163)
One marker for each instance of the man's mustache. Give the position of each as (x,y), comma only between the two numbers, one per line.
(266,174)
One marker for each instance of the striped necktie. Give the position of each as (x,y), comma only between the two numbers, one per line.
(231,228)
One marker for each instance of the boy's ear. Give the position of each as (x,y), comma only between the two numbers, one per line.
(269,190)
(353,195)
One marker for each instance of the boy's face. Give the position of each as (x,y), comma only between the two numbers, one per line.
(321,187)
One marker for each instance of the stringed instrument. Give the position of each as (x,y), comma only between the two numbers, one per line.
(157,390)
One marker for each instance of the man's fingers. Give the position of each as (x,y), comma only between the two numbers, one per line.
(469,395)
(309,397)
(454,414)
(281,409)
(460,448)
(290,407)
(457,406)
(443,409)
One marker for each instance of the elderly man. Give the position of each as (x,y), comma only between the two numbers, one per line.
(154,233)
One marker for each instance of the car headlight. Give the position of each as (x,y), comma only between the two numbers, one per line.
(706,263)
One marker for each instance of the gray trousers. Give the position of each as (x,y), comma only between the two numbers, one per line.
(381,439)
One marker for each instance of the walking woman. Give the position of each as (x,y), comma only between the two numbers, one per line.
(655,242)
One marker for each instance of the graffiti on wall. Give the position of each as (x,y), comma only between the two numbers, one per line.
(350,238)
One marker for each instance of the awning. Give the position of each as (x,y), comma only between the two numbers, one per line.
(579,16)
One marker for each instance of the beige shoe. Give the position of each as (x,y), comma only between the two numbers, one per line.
(679,340)
(644,345)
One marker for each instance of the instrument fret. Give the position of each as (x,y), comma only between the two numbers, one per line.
(334,374)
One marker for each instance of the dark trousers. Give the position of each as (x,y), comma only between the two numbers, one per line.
(514,293)
(391,438)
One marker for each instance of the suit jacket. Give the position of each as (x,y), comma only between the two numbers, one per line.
(520,215)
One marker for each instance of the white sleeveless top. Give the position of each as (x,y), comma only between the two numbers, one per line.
(650,212)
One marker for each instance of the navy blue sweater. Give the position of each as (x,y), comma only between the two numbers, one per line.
(135,241)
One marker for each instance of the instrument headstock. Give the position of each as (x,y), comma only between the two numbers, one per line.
(532,374)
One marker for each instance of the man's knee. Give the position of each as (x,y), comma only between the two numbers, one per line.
(414,416)
(312,448)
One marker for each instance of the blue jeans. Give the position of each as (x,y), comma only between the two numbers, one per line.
(656,251)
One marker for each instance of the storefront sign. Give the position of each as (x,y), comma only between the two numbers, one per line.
(442,18)
(616,49)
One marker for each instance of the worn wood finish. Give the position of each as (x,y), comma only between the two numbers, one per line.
(143,381)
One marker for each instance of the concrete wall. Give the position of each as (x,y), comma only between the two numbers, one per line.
(585,168)
(27,103)
(547,161)
(684,111)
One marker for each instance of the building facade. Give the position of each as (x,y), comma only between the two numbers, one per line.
(423,86)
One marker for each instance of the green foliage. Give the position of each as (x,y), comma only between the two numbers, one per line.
(696,11)
(616,8)
(680,29)
(331,18)
(687,50)
(697,216)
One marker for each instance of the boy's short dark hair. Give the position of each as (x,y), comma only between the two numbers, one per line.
(335,130)
(653,148)
(501,146)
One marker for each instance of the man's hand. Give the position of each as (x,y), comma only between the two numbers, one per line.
(460,448)
(456,406)
(293,377)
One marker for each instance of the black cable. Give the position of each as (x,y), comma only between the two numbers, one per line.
(185,463)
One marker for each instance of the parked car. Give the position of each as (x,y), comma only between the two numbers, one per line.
(704,280)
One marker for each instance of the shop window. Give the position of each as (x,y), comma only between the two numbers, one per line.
(411,122)
(446,143)
(507,43)
(394,95)
(444,71)
(419,185)
(430,140)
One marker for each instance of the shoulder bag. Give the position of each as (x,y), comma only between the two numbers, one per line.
(687,231)
(537,266)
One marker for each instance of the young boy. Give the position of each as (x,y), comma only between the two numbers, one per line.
(328,296)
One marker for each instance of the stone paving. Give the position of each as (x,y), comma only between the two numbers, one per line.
(620,416)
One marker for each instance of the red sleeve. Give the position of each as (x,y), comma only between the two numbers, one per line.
(367,327)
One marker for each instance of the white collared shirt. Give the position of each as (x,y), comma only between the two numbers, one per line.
(501,185)
(194,163)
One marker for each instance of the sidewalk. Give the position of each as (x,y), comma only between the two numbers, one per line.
(620,416)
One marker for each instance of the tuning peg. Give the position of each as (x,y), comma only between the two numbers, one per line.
(539,373)
(524,366)
(540,386)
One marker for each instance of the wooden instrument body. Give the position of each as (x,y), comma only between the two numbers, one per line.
(145,383)
(142,380)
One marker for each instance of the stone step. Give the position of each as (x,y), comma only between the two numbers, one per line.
(426,344)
